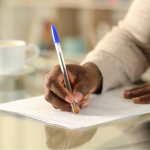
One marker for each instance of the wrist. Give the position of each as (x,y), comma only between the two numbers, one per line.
(97,77)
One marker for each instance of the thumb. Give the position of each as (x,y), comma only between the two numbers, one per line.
(81,90)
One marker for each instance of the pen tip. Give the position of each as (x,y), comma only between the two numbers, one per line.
(74,108)
(74,111)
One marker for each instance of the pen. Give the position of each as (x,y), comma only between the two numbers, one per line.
(62,63)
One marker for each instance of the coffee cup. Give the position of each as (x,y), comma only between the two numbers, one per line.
(13,55)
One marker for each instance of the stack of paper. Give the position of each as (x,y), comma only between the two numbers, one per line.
(103,108)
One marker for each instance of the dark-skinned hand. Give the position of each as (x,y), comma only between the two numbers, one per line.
(140,94)
(84,81)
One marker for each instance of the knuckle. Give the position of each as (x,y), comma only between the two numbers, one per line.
(57,68)
(51,83)
(85,88)
(133,93)
(52,76)
(48,98)
(46,76)
(71,68)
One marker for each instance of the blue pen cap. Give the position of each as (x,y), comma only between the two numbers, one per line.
(54,34)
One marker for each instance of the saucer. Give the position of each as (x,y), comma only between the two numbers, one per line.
(26,70)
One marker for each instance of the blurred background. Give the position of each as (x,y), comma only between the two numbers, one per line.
(80,25)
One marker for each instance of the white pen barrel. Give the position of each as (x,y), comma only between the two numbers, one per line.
(63,66)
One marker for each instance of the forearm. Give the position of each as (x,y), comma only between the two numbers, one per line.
(121,54)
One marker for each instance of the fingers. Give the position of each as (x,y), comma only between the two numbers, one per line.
(54,82)
(83,103)
(82,84)
(137,92)
(139,87)
(82,89)
(142,100)
(58,88)
(59,103)
(140,94)
(87,96)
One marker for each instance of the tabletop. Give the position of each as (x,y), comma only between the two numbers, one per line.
(18,132)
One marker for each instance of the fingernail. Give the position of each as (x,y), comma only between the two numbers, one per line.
(86,104)
(68,99)
(127,93)
(136,99)
(78,97)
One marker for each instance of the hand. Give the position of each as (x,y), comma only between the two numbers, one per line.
(84,80)
(140,94)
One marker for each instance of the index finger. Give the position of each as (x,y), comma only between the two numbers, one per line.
(54,82)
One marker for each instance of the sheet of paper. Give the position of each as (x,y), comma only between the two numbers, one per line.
(103,108)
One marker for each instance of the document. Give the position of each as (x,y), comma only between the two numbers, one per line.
(103,108)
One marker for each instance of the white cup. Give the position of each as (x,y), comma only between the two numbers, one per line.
(13,54)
